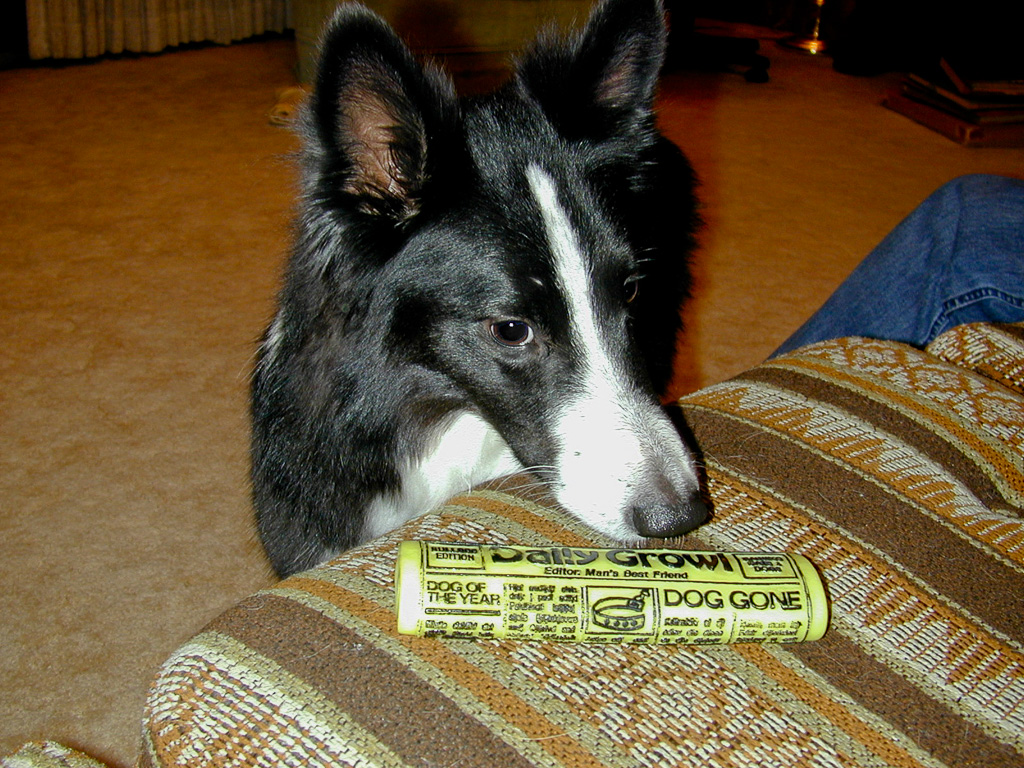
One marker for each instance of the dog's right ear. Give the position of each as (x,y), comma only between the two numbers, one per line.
(374,112)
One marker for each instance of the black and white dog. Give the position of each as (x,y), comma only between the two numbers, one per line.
(478,286)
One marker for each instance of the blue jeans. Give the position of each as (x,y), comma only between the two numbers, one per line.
(957,258)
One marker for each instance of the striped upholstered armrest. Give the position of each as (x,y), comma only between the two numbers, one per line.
(993,350)
(898,473)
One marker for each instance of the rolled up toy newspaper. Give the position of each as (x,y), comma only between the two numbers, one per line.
(622,595)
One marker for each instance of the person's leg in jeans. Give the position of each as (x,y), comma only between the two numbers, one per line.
(957,258)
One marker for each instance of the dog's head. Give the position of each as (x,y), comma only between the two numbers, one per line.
(521,255)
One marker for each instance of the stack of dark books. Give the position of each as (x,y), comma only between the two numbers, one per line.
(975,104)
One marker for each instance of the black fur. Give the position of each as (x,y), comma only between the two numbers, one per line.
(415,227)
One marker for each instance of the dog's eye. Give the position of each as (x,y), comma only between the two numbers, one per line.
(630,288)
(512,333)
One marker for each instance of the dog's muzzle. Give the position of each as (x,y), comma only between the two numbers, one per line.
(668,517)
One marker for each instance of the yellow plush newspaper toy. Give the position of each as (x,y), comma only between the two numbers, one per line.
(624,595)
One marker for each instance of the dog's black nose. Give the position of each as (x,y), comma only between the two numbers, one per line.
(663,521)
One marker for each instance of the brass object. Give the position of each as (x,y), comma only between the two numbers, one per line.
(812,43)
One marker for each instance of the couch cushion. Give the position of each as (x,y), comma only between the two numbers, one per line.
(48,754)
(993,350)
(899,474)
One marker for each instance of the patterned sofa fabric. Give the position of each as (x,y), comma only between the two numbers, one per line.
(48,754)
(898,472)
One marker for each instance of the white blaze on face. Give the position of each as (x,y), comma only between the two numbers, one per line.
(616,446)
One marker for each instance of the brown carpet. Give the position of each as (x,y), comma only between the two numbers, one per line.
(143,219)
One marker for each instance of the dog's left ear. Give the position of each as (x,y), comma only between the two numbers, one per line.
(602,83)
(376,114)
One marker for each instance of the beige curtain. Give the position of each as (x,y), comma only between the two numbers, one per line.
(71,29)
